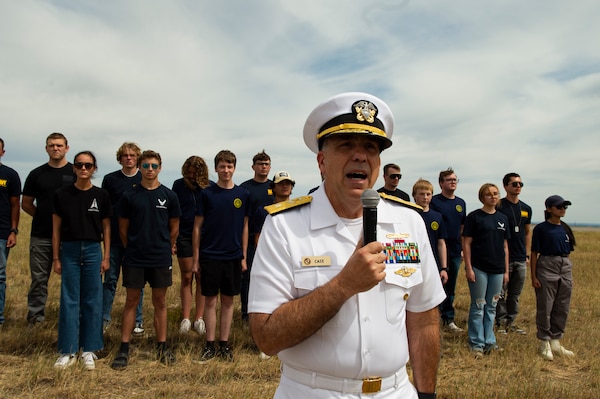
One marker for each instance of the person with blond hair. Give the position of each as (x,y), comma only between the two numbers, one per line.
(116,183)
(436,229)
(485,248)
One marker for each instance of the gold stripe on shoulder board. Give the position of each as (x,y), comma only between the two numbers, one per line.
(285,205)
(400,201)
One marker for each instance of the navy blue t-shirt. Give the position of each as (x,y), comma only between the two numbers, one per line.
(10,186)
(224,211)
(189,201)
(261,194)
(454,211)
(488,232)
(149,236)
(436,230)
(550,239)
(116,183)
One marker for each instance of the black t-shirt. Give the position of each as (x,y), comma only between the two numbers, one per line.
(261,194)
(149,235)
(81,212)
(10,186)
(116,183)
(396,193)
(518,215)
(41,184)
(488,232)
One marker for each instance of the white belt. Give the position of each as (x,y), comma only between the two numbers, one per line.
(345,385)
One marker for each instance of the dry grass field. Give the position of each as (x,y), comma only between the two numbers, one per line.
(27,355)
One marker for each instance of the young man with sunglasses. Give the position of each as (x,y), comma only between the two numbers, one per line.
(392,176)
(148,225)
(519,245)
(39,187)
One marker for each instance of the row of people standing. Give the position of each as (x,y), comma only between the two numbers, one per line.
(496,245)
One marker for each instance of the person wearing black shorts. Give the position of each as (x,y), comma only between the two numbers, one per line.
(148,225)
(220,243)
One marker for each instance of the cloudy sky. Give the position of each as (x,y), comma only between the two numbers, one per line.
(485,87)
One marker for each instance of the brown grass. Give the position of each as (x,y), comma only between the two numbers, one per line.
(27,356)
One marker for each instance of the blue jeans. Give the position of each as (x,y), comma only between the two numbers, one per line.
(485,292)
(447,306)
(109,287)
(40,266)
(80,315)
(3,257)
(508,305)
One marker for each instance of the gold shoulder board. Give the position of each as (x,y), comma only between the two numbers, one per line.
(400,201)
(279,207)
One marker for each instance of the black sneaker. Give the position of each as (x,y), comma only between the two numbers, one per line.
(208,354)
(225,353)
(166,357)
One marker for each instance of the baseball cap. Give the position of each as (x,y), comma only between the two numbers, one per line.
(556,200)
(281,176)
(349,113)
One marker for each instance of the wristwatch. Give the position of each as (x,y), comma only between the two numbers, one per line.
(14,230)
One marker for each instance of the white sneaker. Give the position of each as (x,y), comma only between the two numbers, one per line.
(139,329)
(65,361)
(546,351)
(452,327)
(199,326)
(87,359)
(185,326)
(560,350)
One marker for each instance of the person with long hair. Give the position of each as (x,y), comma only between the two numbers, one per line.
(80,225)
(485,248)
(188,189)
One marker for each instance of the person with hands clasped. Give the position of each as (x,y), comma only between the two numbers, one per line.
(485,249)
(343,318)
(551,276)
(80,223)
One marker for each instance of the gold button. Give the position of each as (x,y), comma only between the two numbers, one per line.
(405,296)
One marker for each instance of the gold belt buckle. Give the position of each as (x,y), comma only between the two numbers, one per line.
(371,385)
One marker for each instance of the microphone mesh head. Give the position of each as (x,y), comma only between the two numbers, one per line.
(369,198)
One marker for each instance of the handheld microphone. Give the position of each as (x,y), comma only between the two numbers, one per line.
(369,199)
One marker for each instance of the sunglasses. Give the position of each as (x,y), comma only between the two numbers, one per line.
(396,176)
(81,165)
(560,207)
(517,184)
(148,165)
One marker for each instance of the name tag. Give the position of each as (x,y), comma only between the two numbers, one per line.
(311,261)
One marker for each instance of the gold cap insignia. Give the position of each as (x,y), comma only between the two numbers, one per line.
(365,110)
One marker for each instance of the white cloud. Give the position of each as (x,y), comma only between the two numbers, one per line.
(487,88)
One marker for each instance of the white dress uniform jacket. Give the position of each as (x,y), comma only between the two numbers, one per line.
(367,337)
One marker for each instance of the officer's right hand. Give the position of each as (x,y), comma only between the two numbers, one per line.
(365,268)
